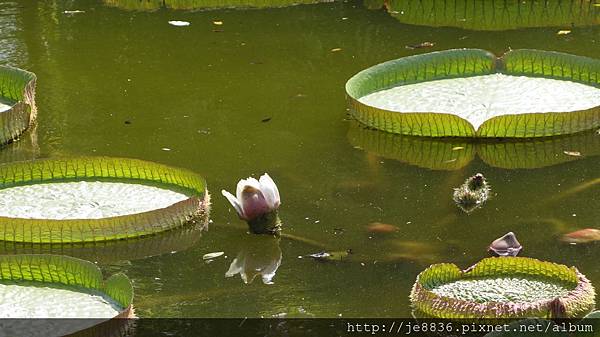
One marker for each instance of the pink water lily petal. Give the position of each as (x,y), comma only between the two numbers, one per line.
(253,203)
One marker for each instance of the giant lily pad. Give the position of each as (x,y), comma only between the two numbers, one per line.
(495,15)
(472,93)
(507,287)
(96,199)
(456,153)
(53,286)
(17,102)
(204,4)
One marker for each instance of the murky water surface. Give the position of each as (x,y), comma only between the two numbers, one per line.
(264,92)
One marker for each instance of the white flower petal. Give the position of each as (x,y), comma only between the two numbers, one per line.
(270,191)
(234,202)
(243,183)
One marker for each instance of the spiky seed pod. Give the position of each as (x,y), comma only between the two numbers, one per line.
(476,182)
(466,199)
(472,193)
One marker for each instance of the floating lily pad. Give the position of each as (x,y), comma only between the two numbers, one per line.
(204,4)
(471,93)
(455,153)
(96,199)
(495,15)
(507,287)
(53,286)
(17,102)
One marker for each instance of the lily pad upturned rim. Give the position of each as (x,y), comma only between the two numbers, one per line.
(196,206)
(70,271)
(456,63)
(17,86)
(493,16)
(579,301)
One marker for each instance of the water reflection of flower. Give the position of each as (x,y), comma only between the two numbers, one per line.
(257,256)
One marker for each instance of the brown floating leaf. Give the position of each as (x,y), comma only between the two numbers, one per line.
(378,227)
(582,236)
(572,153)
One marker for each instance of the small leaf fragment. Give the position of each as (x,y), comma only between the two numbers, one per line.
(179,23)
(425,44)
(563,32)
(211,256)
(336,49)
(217,23)
(572,153)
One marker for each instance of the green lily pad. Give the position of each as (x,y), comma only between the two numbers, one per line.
(471,93)
(30,275)
(53,286)
(84,186)
(507,287)
(455,153)
(495,15)
(17,102)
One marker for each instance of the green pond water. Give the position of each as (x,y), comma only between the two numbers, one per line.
(264,92)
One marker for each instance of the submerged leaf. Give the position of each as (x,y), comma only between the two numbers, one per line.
(582,236)
(378,227)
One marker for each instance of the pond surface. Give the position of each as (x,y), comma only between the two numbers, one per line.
(264,92)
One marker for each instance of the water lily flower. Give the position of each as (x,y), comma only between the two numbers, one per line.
(508,245)
(257,202)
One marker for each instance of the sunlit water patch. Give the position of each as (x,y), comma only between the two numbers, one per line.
(505,289)
(32,300)
(83,200)
(480,98)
